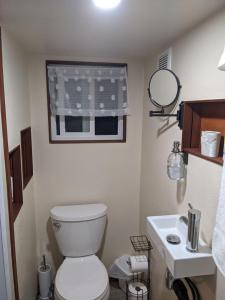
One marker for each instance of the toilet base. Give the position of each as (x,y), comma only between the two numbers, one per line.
(106,297)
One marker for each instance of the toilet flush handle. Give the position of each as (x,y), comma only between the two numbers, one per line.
(57,225)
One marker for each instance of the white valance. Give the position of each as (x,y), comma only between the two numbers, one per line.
(87,90)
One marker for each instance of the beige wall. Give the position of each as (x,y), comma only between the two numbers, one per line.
(18,118)
(83,173)
(195,59)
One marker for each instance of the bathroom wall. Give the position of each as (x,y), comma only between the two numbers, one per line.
(5,223)
(195,59)
(85,173)
(18,118)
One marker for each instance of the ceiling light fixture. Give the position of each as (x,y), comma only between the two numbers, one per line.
(106,4)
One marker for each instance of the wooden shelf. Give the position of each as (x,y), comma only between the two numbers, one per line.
(197,152)
(203,115)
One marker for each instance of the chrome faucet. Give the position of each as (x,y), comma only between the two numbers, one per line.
(194,216)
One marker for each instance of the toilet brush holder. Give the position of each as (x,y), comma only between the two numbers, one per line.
(45,281)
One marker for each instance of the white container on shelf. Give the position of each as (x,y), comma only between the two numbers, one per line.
(210,142)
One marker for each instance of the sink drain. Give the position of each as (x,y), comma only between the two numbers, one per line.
(173,239)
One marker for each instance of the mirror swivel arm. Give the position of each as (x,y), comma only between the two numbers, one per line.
(160,113)
(178,115)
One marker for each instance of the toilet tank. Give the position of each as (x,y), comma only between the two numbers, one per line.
(79,229)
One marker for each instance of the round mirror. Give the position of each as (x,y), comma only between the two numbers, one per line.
(164,88)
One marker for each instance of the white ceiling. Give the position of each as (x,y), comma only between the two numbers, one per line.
(77,27)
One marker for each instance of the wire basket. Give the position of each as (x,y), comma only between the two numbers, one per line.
(140,243)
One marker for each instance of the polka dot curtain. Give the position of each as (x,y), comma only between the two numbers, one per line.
(78,90)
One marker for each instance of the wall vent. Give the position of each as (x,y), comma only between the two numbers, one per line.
(165,60)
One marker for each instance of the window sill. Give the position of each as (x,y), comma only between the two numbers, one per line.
(86,141)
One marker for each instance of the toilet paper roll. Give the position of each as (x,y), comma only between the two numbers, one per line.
(137,290)
(139,263)
(44,277)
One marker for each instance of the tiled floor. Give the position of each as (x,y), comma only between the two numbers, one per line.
(115,292)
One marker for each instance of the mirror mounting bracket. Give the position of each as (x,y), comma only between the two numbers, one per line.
(178,115)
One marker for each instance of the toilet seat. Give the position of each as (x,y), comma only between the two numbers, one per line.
(82,278)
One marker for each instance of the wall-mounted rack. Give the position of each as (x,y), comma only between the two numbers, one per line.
(141,245)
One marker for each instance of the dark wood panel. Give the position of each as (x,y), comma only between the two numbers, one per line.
(205,101)
(210,110)
(27,158)
(196,130)
(214,124)
(16,180)
(187,126)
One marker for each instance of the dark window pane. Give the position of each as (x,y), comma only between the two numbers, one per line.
(57,120)
(106,125)
(77,124)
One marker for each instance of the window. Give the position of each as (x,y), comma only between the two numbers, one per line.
(87,102)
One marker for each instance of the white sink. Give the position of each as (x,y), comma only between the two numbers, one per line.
(179,260)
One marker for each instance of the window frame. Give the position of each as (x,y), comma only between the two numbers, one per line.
(83,137)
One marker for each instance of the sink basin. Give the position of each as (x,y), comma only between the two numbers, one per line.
(179,260)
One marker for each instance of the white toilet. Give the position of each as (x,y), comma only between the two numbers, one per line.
(79,230)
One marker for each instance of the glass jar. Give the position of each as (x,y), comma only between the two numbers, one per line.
(175,163)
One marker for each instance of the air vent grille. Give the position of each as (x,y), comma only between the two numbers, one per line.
(165,60)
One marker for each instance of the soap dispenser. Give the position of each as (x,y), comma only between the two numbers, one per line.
(194,216)
(175,163)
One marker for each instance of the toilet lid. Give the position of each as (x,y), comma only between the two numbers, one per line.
(81,278)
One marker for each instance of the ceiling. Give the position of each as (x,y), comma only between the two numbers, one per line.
(76,27)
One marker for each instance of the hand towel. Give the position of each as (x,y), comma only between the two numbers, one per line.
(218,243)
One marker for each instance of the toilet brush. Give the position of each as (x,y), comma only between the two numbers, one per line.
(44,263)
(44,277)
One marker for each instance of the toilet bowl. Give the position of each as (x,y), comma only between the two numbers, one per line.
(79,231)
(83,278)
